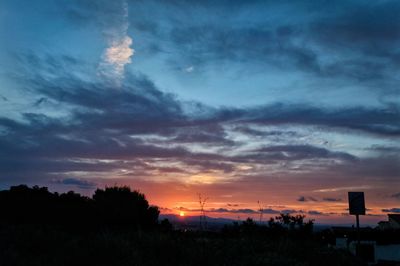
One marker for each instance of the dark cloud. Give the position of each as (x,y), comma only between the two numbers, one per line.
(349,40)
(266,211)
(394,210)
(384,149)
(277,134)
(141,103)
(223,210)
(290,211)
(273,211)
(207,134)
(243,211)
(305,199)
(139,122)
(386,167)
(359,39)
(332,199)
(361,24)
(396,196)
(3,98)
(316,213)
(297,152)
(210,43)
(84,184)
(383,122)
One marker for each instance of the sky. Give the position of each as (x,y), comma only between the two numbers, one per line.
(283,106)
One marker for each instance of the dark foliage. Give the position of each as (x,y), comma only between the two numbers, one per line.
(111,206)
(120,205)
(29,245)
(282,225)
(42,228)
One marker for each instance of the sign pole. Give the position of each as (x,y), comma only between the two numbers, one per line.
(358,228)
(357,208)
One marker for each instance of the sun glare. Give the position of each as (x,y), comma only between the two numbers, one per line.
(181,213)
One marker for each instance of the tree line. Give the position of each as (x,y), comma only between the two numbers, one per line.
(117,205)
(112,206)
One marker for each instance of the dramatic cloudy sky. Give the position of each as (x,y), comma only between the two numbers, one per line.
(289,103)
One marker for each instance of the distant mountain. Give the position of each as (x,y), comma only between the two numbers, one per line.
(177,218)
(193,222)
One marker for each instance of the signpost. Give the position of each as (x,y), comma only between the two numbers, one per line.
(357,208)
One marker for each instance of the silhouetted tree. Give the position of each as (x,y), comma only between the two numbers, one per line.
(22,204)
(121,205)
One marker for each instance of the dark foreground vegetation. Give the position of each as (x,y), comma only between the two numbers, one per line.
(118,227)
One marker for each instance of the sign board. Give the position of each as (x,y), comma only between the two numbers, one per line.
(356,203)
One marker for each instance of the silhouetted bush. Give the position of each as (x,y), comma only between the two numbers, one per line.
(282,225)
(291,222)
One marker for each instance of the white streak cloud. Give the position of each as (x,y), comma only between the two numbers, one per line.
(119,52)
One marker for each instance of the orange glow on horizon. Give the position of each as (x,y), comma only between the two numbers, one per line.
(181,200)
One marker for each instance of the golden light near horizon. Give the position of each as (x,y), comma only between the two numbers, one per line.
(181,213)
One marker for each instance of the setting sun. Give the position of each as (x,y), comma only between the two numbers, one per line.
(181,213)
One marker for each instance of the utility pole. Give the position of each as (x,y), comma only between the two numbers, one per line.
(261,210)
(358,228)
(203,222)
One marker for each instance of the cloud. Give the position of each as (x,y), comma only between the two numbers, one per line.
(117,56)
(265,211)
(290,211)
(396,195)
(3,98)
(305,199)
(189,69)
(242,211)
(119,51)
(332,199)
(336,189)
(142,132)
(84,184)
(348,43)
(296,152)
(379,121)
(316,213)
(394,210)
(223,210)
(261,133)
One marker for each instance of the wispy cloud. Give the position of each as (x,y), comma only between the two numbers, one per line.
(335,189)
(119,52)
